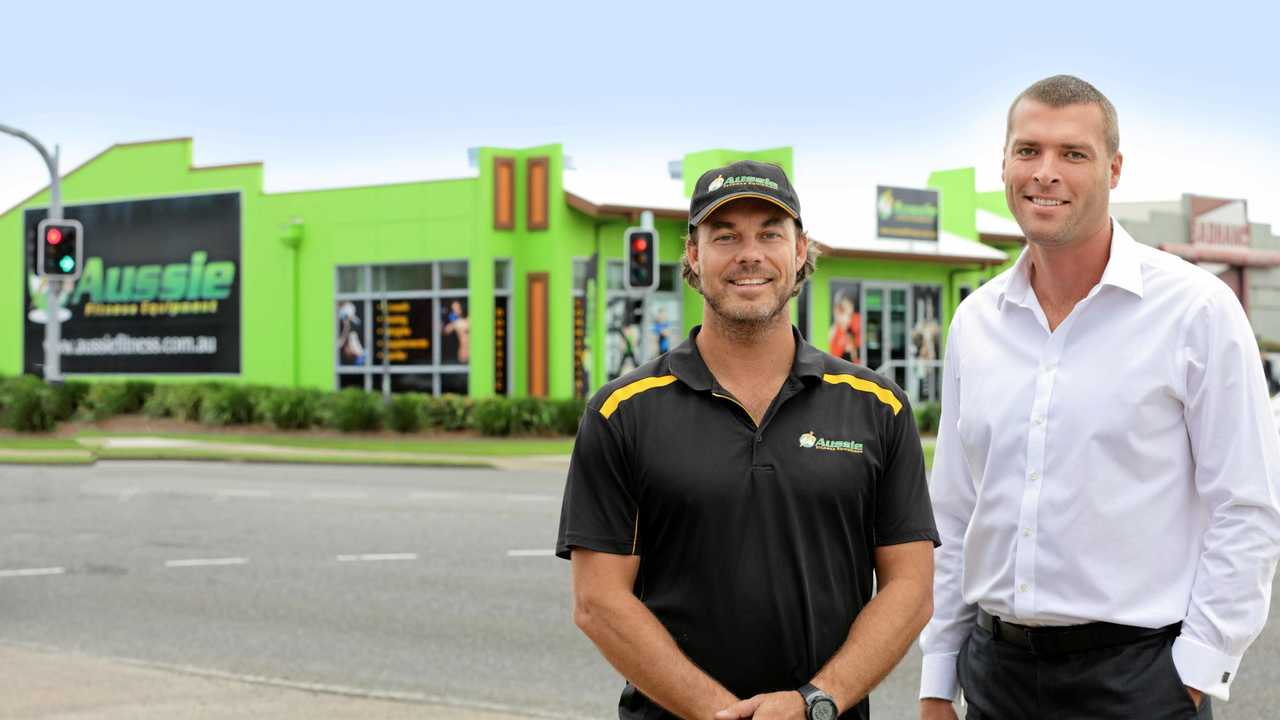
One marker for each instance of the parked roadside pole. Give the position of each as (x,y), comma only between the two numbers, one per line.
(53,285)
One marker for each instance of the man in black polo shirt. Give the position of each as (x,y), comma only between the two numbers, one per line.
(729,503)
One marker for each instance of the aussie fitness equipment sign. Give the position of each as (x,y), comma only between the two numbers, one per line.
(159,292)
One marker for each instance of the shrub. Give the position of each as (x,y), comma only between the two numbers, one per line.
(354,410)
(227,405)
(183,401)
(530,415)
(107,399)
(927,417)
(566,415)
(492,416)
(65,399)
(448,412)
(405,413)
(24,405)
(292,409)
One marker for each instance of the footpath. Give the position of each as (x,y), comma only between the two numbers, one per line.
(40,684)
(144,447)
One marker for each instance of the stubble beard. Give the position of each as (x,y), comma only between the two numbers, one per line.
(747,326)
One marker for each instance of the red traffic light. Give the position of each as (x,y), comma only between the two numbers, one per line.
(639,244)
(54,236)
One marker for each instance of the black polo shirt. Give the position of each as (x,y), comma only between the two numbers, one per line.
(756,543)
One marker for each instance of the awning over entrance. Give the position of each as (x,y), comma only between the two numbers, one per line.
(1239,256)
(948,249)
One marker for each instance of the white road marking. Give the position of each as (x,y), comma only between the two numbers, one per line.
(541,552)
(28,572)
(244,493)
(435,495)
(202,562)
(374,557)
(127,494)
(339,495)
(532,498)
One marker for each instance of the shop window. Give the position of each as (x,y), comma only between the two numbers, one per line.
(453,276)
(669,278)
(454,383)
(537,182)
(405,278)
(640,327)
(405,331)
(501,327)
(504,193)
(353,279)
(413,382)
(501,274)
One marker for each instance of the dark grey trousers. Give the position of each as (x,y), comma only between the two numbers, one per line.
(1002,681)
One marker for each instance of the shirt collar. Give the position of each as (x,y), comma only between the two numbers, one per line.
(1123,270)
(686,362)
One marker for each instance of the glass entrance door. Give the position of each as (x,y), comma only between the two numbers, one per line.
(903,336)
(885,309)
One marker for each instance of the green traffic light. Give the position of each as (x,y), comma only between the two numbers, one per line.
(67,263)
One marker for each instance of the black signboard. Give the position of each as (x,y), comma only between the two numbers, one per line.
(159,292)
(500,345)
(906,213)
(404,329)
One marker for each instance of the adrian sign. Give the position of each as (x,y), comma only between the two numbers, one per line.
(1215,221)
(906,213)
(159,291)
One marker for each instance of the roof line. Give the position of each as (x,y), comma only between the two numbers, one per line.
(116,146)
(906,257)
(577,202)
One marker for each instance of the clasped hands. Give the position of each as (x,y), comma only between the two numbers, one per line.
(786,705)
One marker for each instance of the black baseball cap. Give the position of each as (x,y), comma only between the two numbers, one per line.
(743,179)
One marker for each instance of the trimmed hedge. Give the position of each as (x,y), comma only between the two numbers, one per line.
(407,412)
(27,404)
(292,409)
(353,410)
(228,405)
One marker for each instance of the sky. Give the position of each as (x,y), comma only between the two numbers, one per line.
(330,95)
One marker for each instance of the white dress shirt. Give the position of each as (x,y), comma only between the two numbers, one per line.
(1122,468)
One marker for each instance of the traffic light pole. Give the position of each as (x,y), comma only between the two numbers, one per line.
(53,286)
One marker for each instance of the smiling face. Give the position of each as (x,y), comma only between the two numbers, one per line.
(1057,172)
(746,256)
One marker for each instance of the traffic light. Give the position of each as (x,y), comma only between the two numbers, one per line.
(642,258)
(58,248)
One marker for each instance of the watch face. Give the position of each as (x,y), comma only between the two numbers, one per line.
(823,709)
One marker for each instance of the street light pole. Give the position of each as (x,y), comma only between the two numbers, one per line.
(53,286)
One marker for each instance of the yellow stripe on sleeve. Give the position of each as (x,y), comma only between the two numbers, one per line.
(630,390)
(885,395)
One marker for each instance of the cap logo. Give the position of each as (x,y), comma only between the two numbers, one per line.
(746,180)
(716,184)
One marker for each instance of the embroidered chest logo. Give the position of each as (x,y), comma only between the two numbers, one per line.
(811,441)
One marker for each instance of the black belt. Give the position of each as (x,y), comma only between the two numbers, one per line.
(1068,639)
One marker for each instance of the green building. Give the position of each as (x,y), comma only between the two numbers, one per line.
(504,282)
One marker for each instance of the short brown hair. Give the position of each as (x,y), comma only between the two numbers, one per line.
(803,273)
(1063,90)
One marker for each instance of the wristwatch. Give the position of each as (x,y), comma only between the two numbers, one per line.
(818,704)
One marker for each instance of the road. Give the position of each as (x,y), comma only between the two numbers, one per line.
(425,585)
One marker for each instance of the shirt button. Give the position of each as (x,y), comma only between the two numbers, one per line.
(1039,420)
(1026,532)
(759,438)
(1023,587)
(1034,476)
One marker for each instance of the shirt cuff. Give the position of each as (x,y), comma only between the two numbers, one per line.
(938,676)
(1204,668)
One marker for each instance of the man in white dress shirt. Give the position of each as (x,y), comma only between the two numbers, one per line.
(1105,478)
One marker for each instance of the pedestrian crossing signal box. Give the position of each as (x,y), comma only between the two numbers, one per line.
(641,252)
